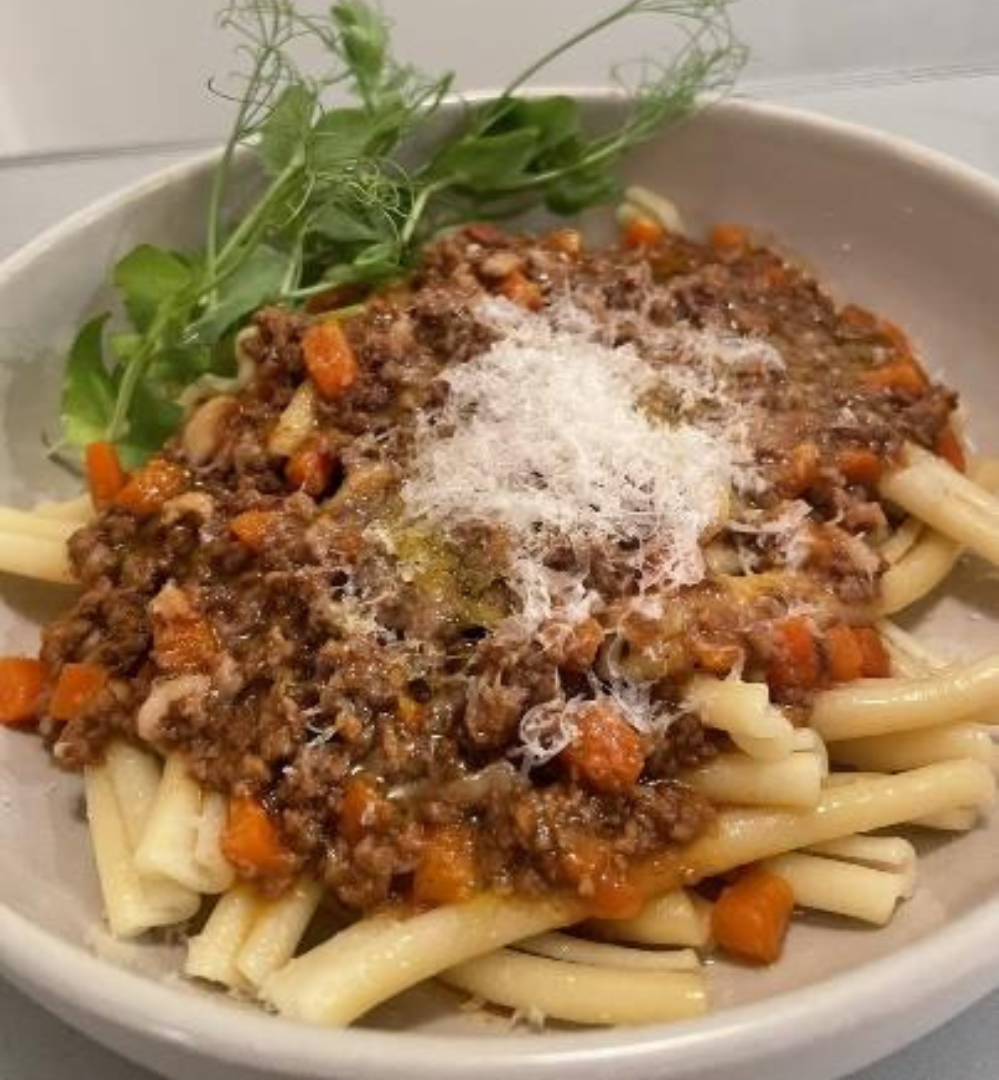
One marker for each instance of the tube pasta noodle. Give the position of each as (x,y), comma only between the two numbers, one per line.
(744,712)
(675,918)
(78,510)
(890,853)
(379,957)
(807,741)
(927,563)
(42,558)
(744,836)
(247,937)
(734,778)
(960,819)
(946,500)
(841,888)
(910,749)
(133,903)
(932,556)
(275,935)
(212,954)
(576,950)
(179,819)
(578,992)
(879,706)
(901,540)
(28,523)
(208,839)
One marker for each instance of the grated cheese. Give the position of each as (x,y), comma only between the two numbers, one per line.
(544,434)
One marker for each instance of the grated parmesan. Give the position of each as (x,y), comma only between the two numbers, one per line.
(544,434)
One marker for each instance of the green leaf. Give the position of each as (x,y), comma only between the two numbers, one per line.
(181,364)
(259,279)
(579,189)
(152,419)
(146,277)
(88,391)
(489,162)
(344,226)
(365,39)
(343,135)
(284,132)
(555,119)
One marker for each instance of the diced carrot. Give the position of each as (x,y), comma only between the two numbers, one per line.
(21,679)
(795,663)
(902,376)
(254,528)
(568,241)
(522,291)
(948,446)
(730,239)
(801,470)
(751,917)
(329,358)
(606,752)
(876,663)
(184,643)
(446,872)
(150,487)
(252,843)
(310,468)
(844,654)
(76,687)
(859,465)
(643,232)
(360,808)
(105,476)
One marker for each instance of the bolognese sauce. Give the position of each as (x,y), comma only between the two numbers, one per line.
(427,587)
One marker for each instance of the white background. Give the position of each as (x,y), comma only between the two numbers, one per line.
(94,93)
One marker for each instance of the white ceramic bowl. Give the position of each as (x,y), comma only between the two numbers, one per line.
(901,230)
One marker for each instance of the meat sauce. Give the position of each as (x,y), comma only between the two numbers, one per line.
(370,693)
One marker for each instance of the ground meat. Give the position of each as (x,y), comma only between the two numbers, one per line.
(353,659)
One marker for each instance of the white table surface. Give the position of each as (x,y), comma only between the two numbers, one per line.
(956,111)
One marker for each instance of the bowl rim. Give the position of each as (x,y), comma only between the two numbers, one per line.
(54,970)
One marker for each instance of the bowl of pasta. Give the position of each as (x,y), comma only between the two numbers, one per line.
(513,648)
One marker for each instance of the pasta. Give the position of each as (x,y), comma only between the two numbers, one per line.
(674,918)
(178,839)
(952,504)
(734,778)
(521,674)
(578,992)
(841,888)
(133,902)
(877,707)
(910,749)
(576,950)
(744,712)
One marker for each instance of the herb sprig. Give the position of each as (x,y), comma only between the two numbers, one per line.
(351,191)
